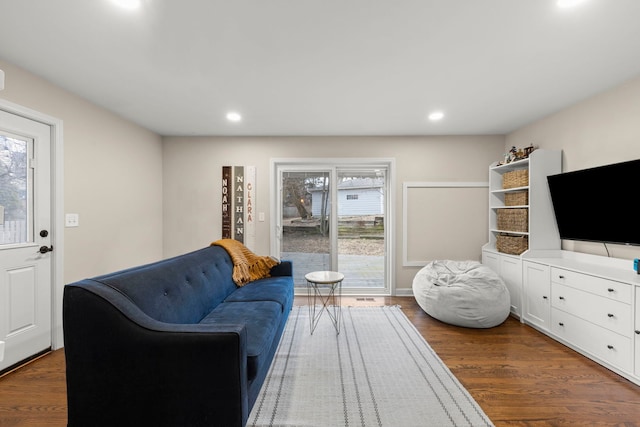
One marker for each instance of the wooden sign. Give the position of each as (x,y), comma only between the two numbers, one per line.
(238,198)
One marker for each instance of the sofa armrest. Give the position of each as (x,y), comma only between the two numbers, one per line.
(133,370)
(284,268)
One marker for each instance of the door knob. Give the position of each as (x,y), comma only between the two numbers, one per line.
(45,249)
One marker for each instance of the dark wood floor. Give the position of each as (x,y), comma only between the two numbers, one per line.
(517,375)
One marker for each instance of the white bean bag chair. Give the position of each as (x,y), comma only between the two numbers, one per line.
(462,293)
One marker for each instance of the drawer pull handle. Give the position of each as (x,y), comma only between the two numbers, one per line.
(610,347)
(611,290)
(610,315)
(544,297)
(561,277)
(637,332)
(561,297)
(561,324)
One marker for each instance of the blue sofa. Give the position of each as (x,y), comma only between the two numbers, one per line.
(173,343)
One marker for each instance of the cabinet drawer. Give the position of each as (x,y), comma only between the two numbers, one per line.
(607,288)
(613,315)
(601,343)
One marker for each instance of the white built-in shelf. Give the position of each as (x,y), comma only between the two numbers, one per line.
(542,231)
(518,164)
(515,233)
(510,190)
(510,207)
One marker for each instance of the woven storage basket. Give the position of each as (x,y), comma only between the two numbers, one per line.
(516,178)
(512,245)
(518,198)
(513,219)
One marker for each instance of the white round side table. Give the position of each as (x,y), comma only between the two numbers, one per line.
(330,301)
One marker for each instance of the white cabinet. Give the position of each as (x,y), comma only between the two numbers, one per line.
(536,283)
(539,230)
(587,302)
(492,260)
(509,268)
(636,332)
(511,273)
(595,315)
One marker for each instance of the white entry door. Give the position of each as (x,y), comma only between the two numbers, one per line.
(25,238)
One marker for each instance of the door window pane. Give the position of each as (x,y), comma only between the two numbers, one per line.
(14,190)
(305,222)
(361,234)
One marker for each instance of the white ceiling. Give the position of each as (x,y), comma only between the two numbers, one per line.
(326,67)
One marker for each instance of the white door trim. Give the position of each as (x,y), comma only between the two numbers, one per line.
(57,212)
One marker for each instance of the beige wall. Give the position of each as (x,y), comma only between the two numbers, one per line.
(112,178)
(600,130)
(130,207)
(192,177)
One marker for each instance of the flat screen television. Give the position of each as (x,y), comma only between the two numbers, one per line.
(597,204)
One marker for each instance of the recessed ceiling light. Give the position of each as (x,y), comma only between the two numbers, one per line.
(128,4)
(232,116)
(569,3)
(436,115)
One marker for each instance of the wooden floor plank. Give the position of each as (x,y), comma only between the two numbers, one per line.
(517,375)
(520,377)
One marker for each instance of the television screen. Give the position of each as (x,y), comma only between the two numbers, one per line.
(597,204)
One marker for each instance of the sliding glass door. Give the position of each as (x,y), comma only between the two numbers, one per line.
(334,216)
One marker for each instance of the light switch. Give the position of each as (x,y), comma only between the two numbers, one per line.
(261,216)
(72,220)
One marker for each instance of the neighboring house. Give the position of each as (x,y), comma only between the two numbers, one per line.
(362,196)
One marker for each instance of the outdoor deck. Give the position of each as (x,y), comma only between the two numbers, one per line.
(360,271)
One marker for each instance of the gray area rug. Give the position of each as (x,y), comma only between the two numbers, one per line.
(378,371)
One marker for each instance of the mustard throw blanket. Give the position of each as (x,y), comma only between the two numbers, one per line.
(247,266)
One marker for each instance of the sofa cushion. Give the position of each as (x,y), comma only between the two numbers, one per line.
(277,289)
(261,320)
(182,289)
